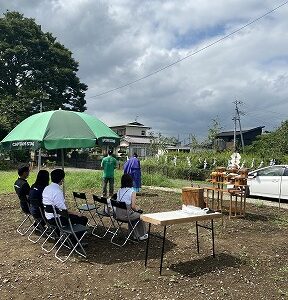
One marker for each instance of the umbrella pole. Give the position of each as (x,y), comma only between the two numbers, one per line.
(62,160)
(39,159)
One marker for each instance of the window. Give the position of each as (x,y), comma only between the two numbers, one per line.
(143,132)
(138,151)
(121,132)
(271,171)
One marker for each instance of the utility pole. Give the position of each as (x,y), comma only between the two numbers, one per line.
(235,119)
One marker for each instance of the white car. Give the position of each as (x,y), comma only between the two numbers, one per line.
(269,182)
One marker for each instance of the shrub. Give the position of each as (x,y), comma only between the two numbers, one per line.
(6,165)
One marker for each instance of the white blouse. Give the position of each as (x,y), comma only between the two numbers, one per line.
(125,195)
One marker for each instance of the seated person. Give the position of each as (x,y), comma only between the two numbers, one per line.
(22,188)
(127,195)
(35,194)
(53,195)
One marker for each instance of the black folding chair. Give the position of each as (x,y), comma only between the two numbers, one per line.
(83,207)
(119,223)
(103,211)
(71,235)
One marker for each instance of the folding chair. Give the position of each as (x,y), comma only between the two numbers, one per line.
(119,222)
(102,211)
(68,234)
(23,228)
(52,231)
(39,224)
(83,206)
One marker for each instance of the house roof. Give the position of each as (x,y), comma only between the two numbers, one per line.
(178,148)
(131,124)
(137,140)
(135,123)
(229,133)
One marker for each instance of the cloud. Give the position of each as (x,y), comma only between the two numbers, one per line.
(119,41)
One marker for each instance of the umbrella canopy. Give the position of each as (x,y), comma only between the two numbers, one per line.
(60,129)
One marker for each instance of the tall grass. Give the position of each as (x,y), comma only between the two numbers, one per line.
(90,180)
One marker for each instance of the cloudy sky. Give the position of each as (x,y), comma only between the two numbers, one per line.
(119,41)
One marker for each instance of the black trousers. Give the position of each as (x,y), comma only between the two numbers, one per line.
(75,219)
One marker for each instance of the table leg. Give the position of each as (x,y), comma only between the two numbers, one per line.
(197,236)
(236,206)
(244,209)
(147,245)
(218,198)
(230,207)
(212,229)
(162,253)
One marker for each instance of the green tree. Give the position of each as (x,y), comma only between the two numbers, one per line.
(160,142)
(213,130)
(273,144)
(34,69)
(193,142)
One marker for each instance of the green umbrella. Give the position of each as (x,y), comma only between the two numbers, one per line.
(60,129)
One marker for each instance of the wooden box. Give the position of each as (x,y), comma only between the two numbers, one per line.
(193,196)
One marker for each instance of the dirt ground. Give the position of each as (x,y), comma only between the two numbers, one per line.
(251,260)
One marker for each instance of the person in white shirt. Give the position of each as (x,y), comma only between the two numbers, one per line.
(53,195)
(127,195)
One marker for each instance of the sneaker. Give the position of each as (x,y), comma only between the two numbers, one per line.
(143,237)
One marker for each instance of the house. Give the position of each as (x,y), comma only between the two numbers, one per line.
(134,139)
(178,148)
(225,139)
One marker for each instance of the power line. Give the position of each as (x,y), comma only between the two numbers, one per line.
(189,53)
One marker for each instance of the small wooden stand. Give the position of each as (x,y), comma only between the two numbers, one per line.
(237,205)
(193,196)
(221,180)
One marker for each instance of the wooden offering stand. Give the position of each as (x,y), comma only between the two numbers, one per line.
(193,196)
(231,182)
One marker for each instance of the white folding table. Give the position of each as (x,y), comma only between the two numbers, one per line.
(178,217)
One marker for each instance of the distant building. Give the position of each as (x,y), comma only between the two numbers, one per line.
(225,139)
(178,148)
(134,139)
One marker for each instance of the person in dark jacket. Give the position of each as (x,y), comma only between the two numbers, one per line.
(35,194)
(22,188)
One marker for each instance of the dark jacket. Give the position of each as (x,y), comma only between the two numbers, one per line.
(22,189)
(35,200)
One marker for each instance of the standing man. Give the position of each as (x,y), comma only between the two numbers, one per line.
(22,188)
(132,167)
(109,164)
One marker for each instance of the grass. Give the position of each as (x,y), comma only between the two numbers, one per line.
(90,179)
(281,220)
(259,203)
(7,179)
